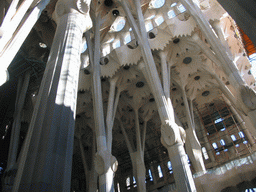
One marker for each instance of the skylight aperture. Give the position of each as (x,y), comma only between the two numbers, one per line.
(118,24)
(127,38)
(181,8)
(116,44)
(173,5)
(159,20)
(149,26)
(157,3)
(171,14)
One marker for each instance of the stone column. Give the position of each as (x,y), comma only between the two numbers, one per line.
(206,141)
(46,159)
(136,154)
(122,182)
(105,163)
(229,95)
(165,74)
(15,134)
(139,156)
(193,146)
(152,169)
(139,169)
(181,169)
(170,132)
(217,28)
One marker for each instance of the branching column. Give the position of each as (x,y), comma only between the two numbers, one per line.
(170,131)
(247,95)
(46,159)
(105,162)
(227,63)
(193,146)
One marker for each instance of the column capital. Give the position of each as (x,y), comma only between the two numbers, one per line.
(171,134)
(80,7)
(248,96)
(216,23)
(102,159)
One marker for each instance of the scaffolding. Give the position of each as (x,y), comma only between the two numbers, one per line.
(223,131)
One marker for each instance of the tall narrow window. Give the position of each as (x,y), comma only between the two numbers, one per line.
(169,165)
(150,175)
(241,134)
(160,173)
(233,137)
(128,183)
(134,182)
(205,154)
(215,146)
(222,142)
(118,187)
